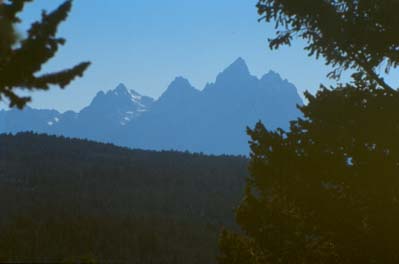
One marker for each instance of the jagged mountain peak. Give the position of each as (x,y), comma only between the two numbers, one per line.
(238,68)
(120,88)
(273,81)
(183,118)
(235,75)
(179,87)
(119,94)
(239,65)
(272,76)
(118,104)
(100,94)
(180,83)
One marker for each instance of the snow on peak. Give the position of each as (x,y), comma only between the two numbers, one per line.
(135,96)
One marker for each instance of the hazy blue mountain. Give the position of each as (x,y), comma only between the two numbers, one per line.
(212,120)
(29,119)
(170,122)
(107,114)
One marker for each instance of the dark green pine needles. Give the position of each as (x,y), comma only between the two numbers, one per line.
(348,34)
(22,59)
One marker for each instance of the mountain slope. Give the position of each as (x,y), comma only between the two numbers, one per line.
(107,113)
(212,120)
(15,120)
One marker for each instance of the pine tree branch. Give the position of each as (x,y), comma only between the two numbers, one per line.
(18,65)
(62,78)
(372,74)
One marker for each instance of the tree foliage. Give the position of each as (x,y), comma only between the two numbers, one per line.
(349,34)
(22,59)
(64,200)
(327,190)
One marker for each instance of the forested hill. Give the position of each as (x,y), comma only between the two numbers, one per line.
(66,199)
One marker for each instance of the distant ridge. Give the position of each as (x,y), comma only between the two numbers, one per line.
(212,120)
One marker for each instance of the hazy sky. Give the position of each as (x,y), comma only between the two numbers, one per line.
(146,44)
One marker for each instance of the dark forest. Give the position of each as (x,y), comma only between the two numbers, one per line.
(74,200)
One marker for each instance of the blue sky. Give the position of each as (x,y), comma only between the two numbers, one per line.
(146,44)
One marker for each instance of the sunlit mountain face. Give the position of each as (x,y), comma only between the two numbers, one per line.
(212,120)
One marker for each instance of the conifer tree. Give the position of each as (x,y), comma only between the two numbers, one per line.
(360,35)
(327,190)
(22,59)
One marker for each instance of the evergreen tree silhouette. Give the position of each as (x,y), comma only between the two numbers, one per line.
(357,35)
(21,59)
(327,190)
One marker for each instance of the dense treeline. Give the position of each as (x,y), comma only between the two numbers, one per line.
(69,200)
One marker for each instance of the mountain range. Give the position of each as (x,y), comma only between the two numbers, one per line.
(212,120)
